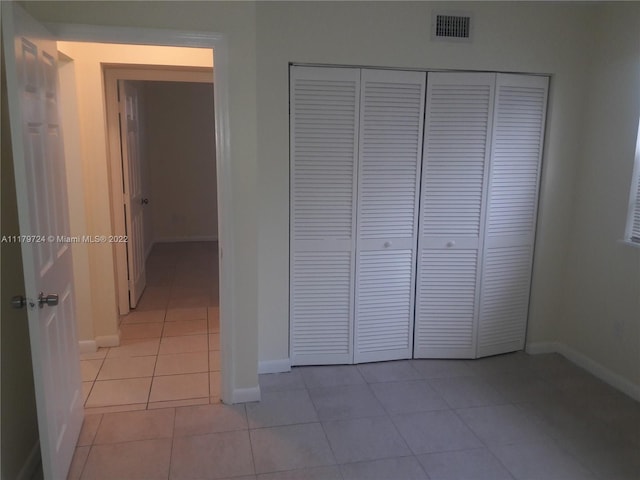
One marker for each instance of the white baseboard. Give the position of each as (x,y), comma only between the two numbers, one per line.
(88,346)
(108,340)
(148,251)
(591,366)
(193,238)
(31,464)
(274,366)
(537,348)
(245,395)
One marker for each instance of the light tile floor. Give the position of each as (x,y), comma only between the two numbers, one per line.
(169,354)
(507,417)
(512,416)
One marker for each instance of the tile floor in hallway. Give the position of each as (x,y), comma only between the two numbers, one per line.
(512,416)
(169,352)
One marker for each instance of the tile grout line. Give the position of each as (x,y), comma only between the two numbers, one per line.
(485,445)
(253,460)
(173,437)
(390,417)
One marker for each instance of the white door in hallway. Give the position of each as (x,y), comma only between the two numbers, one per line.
(133,195)
(38,157)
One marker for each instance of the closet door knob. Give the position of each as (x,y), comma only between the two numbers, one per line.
(451,243)
(387,244)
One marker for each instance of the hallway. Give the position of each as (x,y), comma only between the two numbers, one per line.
(169,353)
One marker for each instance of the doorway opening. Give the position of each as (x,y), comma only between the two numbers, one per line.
(174,146)
(163,149)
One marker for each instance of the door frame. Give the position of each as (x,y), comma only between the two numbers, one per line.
(135,72)
(217,42)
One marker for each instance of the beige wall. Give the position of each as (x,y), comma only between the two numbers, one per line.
(19,426)
(180,150)
(558,39)
(98,261)
(602,287)
(76,194)
(541,38)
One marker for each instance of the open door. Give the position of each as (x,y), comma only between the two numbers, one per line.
(134,201)
(30,60)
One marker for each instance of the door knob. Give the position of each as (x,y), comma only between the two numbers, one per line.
(50,300)
(452,243)
(144,201)
(387,244)
(18,302)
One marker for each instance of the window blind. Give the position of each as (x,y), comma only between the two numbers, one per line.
(633,219)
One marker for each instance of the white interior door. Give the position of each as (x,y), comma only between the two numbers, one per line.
(134,200)
(512,203)
(456,153)
(30,58)
(324,143)
(389,159)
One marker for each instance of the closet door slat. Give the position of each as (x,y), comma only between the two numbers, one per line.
(520,107)
(457,140)
(390,151)
(324,111)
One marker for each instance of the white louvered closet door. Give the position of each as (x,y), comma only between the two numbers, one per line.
(390,151)
(518,132)
(454,178)
(324,105)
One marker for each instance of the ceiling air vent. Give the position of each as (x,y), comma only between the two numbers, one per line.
(446,26)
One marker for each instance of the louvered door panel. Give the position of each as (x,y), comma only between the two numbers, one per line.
(504,299)
(455,149)
(324,120)
(458,127)
(390,146)
(520,107)
(447,303)
(633,229)
(321,306)
(384,329)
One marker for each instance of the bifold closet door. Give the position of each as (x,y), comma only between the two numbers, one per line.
(458,127)
(518,132)
(390,154)
(324,105)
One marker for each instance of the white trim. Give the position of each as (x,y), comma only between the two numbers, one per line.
(537,348)
(112,75)
(600,371)
(190,238)
(168,73)
(225,218)
(245,395)
(274,366)
(31,464)
(108,340)
(591,366)
(144,36)
(88,346)
(116,181)
(218,42)
(629,243)
(148,251)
